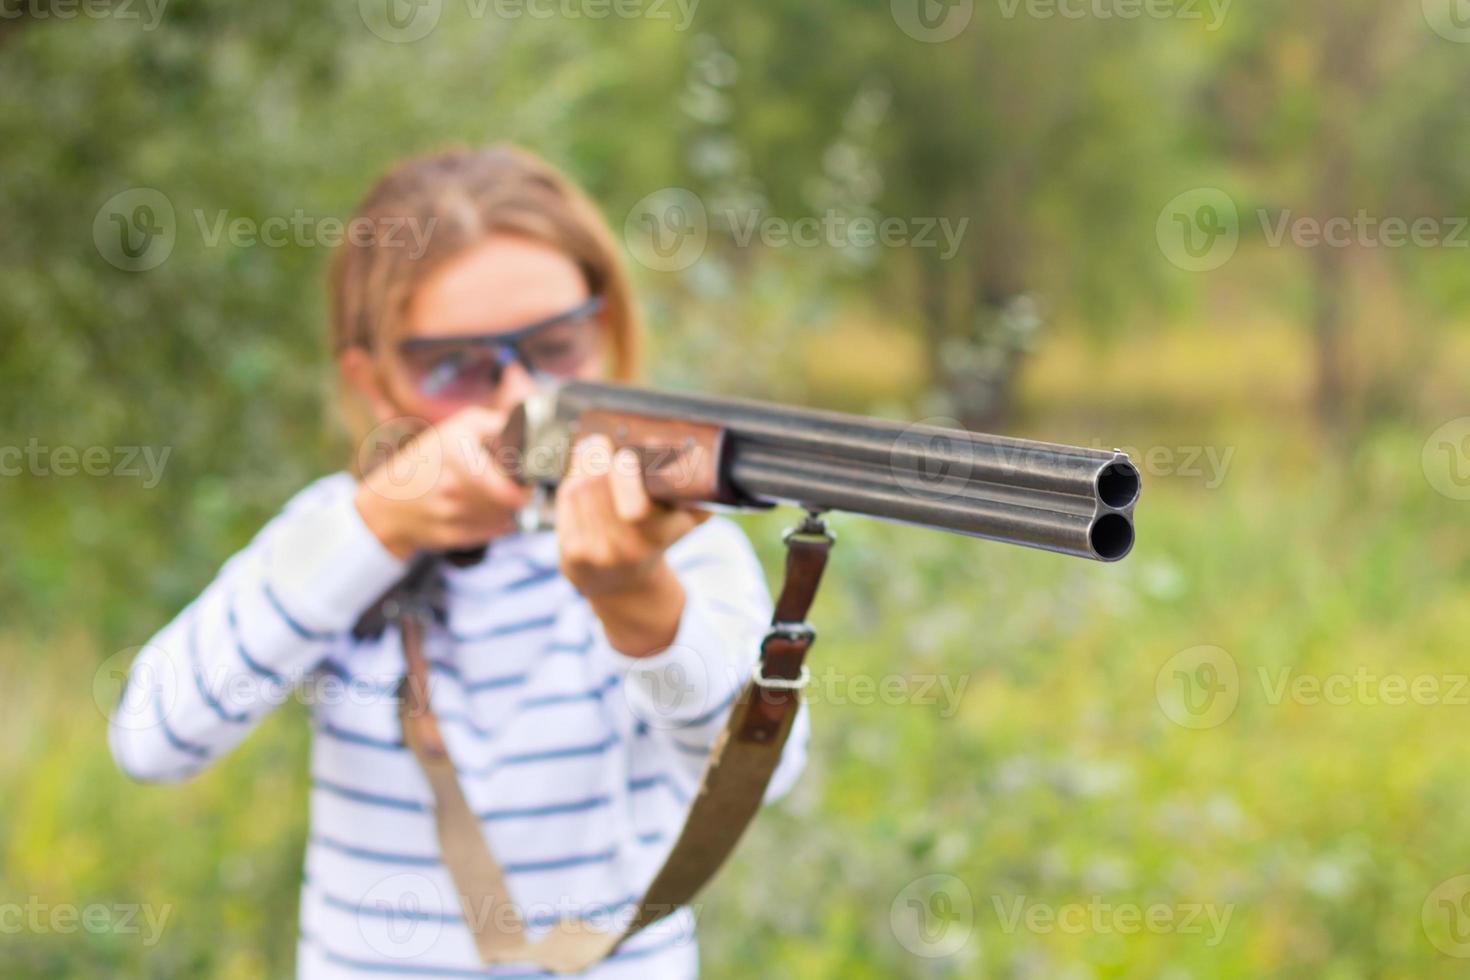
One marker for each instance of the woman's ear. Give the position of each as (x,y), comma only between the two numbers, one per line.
(360,372)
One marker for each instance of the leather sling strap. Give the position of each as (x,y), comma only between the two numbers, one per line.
(744,756)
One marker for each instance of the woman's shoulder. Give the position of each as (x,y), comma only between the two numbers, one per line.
(323,491)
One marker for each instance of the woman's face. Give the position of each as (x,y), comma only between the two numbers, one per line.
(495,287)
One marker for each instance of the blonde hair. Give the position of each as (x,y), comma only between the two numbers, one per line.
(454,199)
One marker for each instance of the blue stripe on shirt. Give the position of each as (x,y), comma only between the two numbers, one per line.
(701,751)
(369,854)
(358,738)
(237,718)
(424,860)
(418,806)
(488,816)
(536,575)
(505,629)
(653,782)
(522,758)
(566,646)
(489,683)
(373,799)
(249,661)
(186,747)
(714,712)
(291,621)
(592,694)
(589,911)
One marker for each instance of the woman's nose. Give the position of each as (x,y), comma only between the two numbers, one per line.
(516,384)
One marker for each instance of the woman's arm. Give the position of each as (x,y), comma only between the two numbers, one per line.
(680,606)
(676,700)
(270,616)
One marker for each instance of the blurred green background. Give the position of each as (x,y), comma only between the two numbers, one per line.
(1228,237)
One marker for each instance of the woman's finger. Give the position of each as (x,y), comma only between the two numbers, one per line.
(629,495)
(667,525)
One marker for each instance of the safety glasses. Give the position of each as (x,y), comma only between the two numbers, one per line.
(470,368)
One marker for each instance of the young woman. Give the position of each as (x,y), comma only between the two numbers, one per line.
(546,659)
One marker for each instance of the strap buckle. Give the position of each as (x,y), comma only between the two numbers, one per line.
(811,526)
(781,683)
(791,632)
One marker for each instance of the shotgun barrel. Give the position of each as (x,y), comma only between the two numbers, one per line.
(704,448)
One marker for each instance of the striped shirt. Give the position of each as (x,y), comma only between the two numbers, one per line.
(579,761)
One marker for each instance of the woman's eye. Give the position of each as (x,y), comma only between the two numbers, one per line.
(550,350)
(442,373)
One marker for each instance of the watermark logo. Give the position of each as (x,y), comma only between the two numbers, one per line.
(1199,230)
(1446,917)
(400,21)
(135,230)
(666,693)
(1450,19)
(932,21)
(405,457)
(400,916)
(1199,687)
(1446,459)
(149,684)
(668,230)
(934,916)
(932,459)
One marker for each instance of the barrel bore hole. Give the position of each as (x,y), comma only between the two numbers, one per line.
(1111,536)
(1118,484)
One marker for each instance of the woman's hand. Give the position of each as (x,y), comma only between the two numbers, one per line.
(612,538)
(442,490)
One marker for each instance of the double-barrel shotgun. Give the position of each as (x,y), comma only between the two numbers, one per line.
(703,449)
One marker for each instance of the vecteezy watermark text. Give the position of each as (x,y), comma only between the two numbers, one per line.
(39,460)
(1200,687)
(136,230)
(837,230)
(1213,12)
(1099,917)
(1362,230)
(1200,230)
(150,12)
(669,230)
(97,918)
(1208,464)
(309,231)
(406,21)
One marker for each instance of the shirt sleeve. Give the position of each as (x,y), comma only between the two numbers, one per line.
(270,616)
(678,700)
